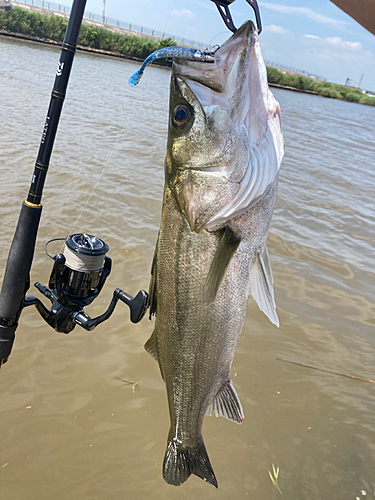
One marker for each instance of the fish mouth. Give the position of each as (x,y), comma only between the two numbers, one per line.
(213,83)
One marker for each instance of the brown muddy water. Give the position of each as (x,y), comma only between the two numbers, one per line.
(70,427)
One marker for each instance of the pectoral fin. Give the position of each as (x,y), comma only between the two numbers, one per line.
(261,286)
(227,404)
(224,252)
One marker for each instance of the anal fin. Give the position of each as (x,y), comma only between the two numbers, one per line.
(261,286)
(227,404)
(223,255)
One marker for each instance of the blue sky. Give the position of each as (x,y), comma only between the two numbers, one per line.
(314,36)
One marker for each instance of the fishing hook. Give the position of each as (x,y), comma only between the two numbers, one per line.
(223,8)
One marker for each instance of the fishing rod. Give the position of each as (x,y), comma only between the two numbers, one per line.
(80,272)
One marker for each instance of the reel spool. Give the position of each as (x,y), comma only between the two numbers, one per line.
(80,272)
(77,278)
(84,262)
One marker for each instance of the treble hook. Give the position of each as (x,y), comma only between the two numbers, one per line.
(223,8)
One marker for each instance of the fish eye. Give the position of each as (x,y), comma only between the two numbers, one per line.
(181,116)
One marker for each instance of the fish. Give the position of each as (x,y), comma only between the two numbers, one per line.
(224,151)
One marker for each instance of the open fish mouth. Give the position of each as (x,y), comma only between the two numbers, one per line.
(220,76)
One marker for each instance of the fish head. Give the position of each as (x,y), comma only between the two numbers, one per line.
(221,114)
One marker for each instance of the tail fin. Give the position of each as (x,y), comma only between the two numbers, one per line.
(180,463)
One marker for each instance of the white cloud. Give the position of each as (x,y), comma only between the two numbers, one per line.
(279,30)
(337,42)
(305,12)
(183,13)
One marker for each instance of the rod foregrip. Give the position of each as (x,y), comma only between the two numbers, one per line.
(16,276)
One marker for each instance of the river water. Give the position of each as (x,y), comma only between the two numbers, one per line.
(84,416)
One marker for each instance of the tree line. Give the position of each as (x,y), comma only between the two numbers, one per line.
(324,89)
(52,27)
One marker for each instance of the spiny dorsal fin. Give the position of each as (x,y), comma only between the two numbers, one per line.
(227,404)
(152,290)
(261,286)
(224,252)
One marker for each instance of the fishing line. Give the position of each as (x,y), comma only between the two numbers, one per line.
(110,155)
(120,135)
(129,114)
(98,180)
(169,15)
(213,38)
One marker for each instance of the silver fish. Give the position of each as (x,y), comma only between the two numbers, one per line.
(224,151)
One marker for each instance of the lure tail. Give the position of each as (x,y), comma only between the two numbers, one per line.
(168,52)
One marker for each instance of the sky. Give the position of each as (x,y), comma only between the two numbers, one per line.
(310,35)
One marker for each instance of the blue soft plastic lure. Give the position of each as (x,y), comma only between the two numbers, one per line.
(176,52)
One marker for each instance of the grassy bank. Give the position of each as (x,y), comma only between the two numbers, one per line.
(324,89)
(52,27)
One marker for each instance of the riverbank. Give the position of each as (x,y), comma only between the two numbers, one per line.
(299,83)
(49,27)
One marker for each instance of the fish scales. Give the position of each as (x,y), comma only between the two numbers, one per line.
(223,156)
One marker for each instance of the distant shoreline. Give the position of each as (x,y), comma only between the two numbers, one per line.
(81,48)
(286,87)
(30,38)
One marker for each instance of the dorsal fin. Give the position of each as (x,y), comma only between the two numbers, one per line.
(152,292)
(219,265)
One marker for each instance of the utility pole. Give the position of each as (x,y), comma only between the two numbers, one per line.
(103,11)
(360,81)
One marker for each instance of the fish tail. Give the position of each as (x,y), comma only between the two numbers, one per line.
(180,463)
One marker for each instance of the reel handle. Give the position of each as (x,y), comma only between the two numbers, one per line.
(138,304)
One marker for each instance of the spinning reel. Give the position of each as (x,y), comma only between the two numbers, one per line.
(77,278)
